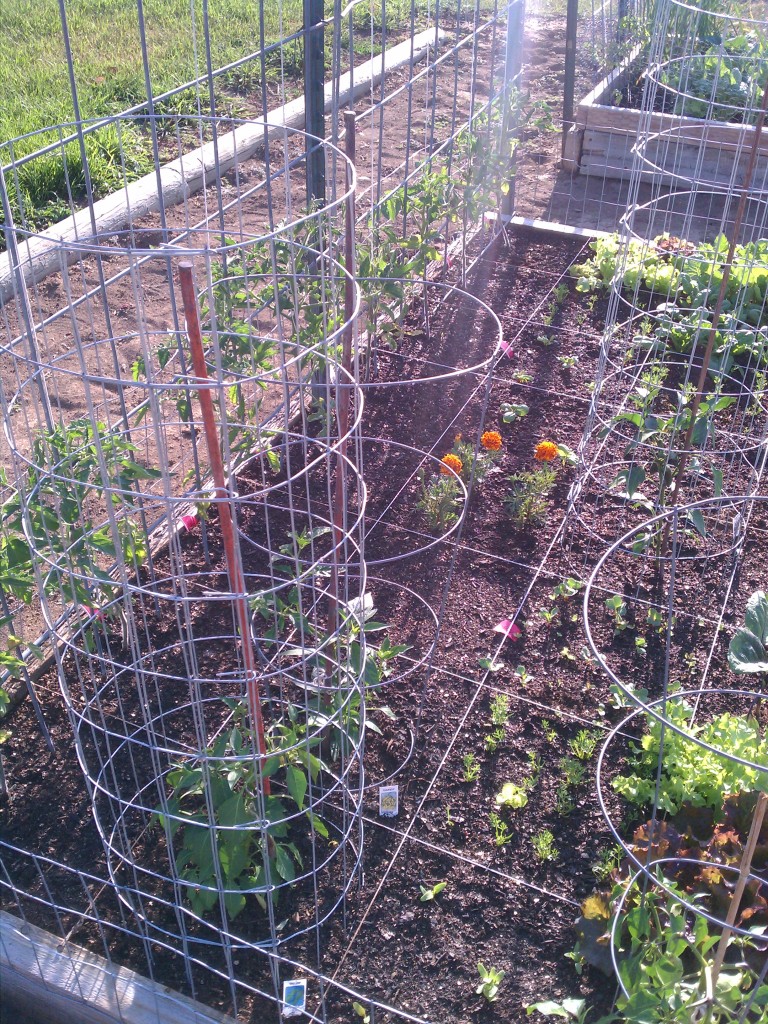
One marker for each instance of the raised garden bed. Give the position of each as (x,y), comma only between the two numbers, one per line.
(603,138)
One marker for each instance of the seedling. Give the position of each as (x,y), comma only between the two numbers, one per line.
(362,1013)
(522,674)
(617,607)
(448,819)
(544,846)
(535,764)
(427,894)
(568,362)
(564,802)
(550,732)
(501,833)
(493,739)
(511,795)
(572,770)
(583,744)
(641,645)
(550,616)
(510,412)
(567,654)
(547,340)
(490,979)
(523,378)
(500,709)
(471,767)
(566,589)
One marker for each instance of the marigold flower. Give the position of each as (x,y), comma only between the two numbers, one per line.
(491,440)
(545,451)
(451,462)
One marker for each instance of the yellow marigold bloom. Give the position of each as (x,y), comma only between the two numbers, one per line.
(545,451)
(451,462)
(491,440)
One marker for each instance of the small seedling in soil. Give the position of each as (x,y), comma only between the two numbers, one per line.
(522,378)
(522,674)
(490,665)
(550,616)
(449,821)
(535,764)
(427,894)
(564,802)
(572,771)
(560,293)
(566,589)
(471,767)
(511,795)
(574,1010)
(500,709)
(587,656)
(490,979)
(544,846)
(509,412)
(567,654)
(583,744)
(568,362)
(547,340)
(550,733)
(362,1013)
(492,740)
(641,645)
(618,609)
(501,833)
(607,861)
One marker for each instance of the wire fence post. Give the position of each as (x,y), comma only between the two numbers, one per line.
(314,99)
(512,66)
(569,86)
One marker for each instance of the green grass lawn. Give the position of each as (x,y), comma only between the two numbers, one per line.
(34,83)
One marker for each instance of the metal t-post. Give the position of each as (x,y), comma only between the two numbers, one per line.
(314,99)
(569,86)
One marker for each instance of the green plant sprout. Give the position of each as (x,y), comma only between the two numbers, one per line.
(550,732)
(493,740)
(471,767)
(501,833)
(568,362)
(362,1013)
(523,675)
(429,894)
(583,744)
(490,979)
(617,607)
(550,615)
(544,846)
(509,412)
(566,589)
(500,709)
(511,795)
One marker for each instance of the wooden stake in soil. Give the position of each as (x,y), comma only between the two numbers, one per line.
(221,502)
(744,869)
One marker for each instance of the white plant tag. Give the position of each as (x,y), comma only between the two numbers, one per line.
(389,801)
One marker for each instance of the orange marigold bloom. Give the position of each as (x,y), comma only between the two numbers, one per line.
(491,440)
(545,451)
(451,462)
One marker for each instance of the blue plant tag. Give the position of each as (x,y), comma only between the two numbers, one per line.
(294,997)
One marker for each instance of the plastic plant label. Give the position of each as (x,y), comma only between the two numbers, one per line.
(294,997)
(389,801)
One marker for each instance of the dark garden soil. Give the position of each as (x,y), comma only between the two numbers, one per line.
(501,905)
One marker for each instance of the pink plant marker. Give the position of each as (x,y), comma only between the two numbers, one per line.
(506,348)
(509,629)
(189,522)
